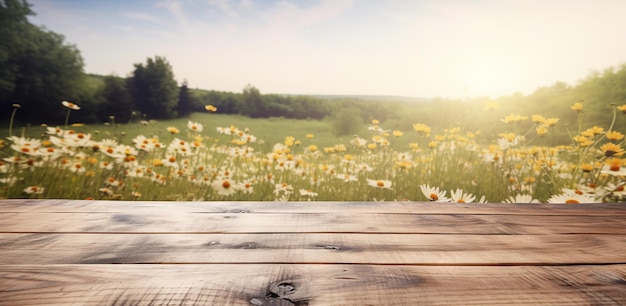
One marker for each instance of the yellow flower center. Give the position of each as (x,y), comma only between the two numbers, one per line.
(572,201)
(433,197)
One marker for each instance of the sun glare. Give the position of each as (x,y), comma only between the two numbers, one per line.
(487,77)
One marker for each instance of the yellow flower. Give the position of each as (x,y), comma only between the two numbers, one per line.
(70,105)
(510,137)
(538,119)
(622,108)
(611,149)
(372,146)
(312,148)
(421,128)
(309,136)
(403,164)
(587,133)
(596,130)
(578,106)
(172,130)
(513,118)
(289,141)
(453,130)
(340,148)
(210,108)
(586,167)
(492,105)
(551,121)
(542,131)
(375,121)
(614,135)
(583,141)
(78,124)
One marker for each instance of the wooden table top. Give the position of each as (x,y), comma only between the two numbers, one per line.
(67,252)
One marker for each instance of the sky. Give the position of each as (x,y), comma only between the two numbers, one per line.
(435,48)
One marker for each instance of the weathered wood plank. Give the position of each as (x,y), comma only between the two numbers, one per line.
(312,248)
(310,285)
(169,221)
(31,206)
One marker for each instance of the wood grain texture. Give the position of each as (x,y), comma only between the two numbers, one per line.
(66,252)
(174,221)
(422,208)
(310,285)
(411,249)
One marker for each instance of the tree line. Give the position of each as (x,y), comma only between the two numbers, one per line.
(39,69)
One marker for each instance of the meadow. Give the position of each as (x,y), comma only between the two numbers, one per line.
(211,156)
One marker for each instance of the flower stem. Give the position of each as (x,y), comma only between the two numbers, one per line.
(67,118)
(11,122)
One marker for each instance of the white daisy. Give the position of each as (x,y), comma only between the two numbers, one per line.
(460,197)
(434,194)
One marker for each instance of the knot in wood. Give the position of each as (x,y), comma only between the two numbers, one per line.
(259,301)
(282,289)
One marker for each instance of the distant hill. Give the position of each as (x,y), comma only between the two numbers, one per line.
(370,98)
(98,80)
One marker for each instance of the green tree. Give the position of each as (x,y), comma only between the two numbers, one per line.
(13,23)
(346,122)
(37,68)
(154,89)
(185,103)
(253,105)
(117,100)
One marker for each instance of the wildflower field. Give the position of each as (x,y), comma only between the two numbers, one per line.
(206,158)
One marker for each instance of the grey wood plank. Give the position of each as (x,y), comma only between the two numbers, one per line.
(171,221)
(414,249)
(31,206)
(300,284)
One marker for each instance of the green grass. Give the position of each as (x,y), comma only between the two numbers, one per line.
(269,131)
(213,165)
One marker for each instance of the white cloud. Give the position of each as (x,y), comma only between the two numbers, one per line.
(246,4)
(224,6)
(141,16)
(423,48)
(286,13)
(175,7)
